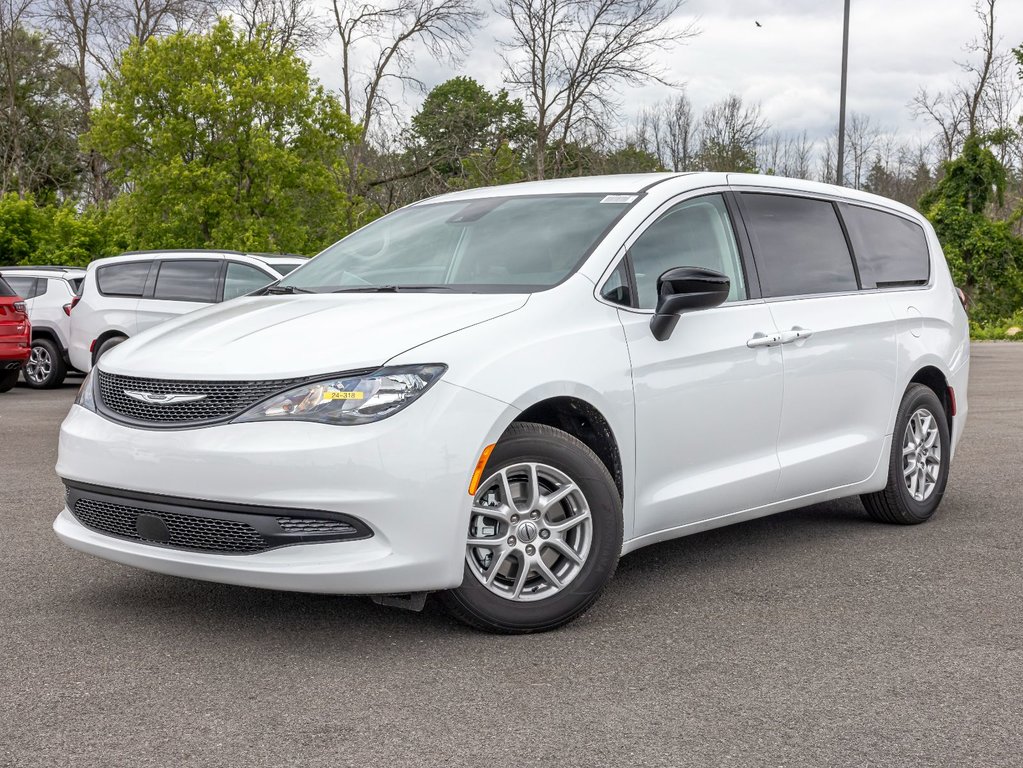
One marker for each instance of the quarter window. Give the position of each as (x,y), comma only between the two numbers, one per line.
(799,245)
(890,250)
(242,279)
(695,233)
(27,287)
(188,281)
(123,279)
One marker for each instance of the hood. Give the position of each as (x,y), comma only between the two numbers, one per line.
(288,336)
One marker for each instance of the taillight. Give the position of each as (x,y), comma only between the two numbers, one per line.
(19,306)
(72,305)
(962,296)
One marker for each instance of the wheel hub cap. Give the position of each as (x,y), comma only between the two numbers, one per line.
(527,532)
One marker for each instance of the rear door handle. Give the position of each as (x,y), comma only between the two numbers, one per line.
(796,334)
(765,340)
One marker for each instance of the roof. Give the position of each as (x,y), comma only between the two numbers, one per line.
(43,271)
(198,253)
(626,183)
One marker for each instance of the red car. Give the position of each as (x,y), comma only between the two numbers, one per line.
(15,336)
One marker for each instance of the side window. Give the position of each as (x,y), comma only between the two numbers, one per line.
(188,281)
(616,289)
(25,287)
(799,245)
(123,279)
(890,250)
(242,279)
(696,233)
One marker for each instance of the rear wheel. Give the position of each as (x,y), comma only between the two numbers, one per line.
(544,536)
(918,469)
(45,369)
(8,379)
(106,346)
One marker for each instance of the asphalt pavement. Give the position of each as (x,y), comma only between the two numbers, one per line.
(811,638)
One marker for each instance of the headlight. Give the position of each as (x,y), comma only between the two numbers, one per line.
(86,396)
(358,399)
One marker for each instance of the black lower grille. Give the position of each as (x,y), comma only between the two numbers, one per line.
(184,531)
(205,526)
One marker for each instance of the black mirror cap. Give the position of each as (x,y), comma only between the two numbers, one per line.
(684,289)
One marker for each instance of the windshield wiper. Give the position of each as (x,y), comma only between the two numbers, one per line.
(393,288)
(281,289)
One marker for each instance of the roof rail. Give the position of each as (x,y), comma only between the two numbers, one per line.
(156,251)
(39,267)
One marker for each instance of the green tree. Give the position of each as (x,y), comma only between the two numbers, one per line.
(38,117)
(470,137)
(985,257)
(222,141)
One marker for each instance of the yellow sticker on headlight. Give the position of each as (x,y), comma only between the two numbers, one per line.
(344,395)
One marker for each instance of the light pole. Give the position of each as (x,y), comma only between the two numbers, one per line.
(840,169)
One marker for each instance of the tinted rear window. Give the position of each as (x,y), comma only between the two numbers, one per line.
(890,250)
(799,245)
(5,289)
(25,287)
(188,281)
(284,269)
(123,279)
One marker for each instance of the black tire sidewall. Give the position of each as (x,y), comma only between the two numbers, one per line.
(917,398)
(106,346)
(563,452)
(57,367)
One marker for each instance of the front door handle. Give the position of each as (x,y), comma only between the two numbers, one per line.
(796,334)
(765,340)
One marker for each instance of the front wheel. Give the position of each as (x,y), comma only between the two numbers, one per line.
(544,537)
(919,463)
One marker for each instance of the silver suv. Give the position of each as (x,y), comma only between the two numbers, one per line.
(48,293)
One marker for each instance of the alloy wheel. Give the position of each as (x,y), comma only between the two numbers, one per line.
(529,533)
(921,454)
(39,365)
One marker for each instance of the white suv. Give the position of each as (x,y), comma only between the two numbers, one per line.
(49,293)
(125,295)
(498,392)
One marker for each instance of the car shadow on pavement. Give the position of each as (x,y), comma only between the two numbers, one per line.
(690,565)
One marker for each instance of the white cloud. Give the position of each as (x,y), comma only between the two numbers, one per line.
(790,64)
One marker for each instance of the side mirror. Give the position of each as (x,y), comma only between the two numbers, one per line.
(683,289)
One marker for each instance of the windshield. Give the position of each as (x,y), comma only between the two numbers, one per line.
(509,244)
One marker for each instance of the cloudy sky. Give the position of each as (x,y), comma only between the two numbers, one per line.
(790,65)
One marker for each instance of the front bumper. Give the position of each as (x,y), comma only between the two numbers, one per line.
(405,477)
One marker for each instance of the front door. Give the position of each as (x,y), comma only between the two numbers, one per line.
(707,399)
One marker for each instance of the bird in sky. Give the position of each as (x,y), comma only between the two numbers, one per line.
(757,23)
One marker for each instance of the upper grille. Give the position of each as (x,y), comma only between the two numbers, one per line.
(223,399)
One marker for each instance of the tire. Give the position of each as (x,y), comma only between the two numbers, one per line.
(106,346)
(8,379)
(898,503)
(46,368)
(522,597)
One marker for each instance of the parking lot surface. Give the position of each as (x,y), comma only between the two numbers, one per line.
(812,638)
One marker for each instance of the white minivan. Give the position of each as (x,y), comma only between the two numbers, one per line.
(497,393)
(122,296)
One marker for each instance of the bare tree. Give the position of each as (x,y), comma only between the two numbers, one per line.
(863,137)
(730,132)
(569,57)
(288,24)
(387,33)
(966,108)
(13,15)
(127,20)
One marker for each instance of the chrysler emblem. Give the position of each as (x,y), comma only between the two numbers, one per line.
(156,398)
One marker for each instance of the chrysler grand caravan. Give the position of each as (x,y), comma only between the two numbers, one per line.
(496,393)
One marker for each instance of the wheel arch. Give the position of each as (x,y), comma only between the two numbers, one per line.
(585,422)
(103,338)
(935,379)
